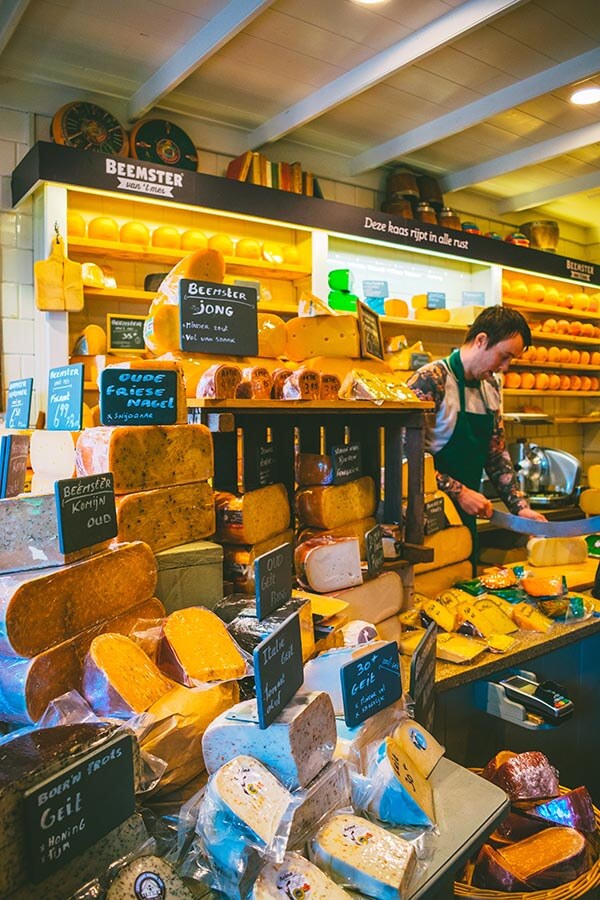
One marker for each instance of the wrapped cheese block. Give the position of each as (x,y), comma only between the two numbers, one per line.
(119,679)
(279,377)
(543,861)
(556,551)
(530,619)
(394,791)
(238,560)
(219,382)
(29,535)
(248,630)
(39,612)
(457,648)
(296,746)
(161,365)
(330,387)
(356,529)
(364,856)
(327,793)
(326,564)
(302,384)
(323,672)
(252,517)
(147,876)
(340,366)
(196,646)
(272,335)
(354,745)
(360,384)
(485,617)
(418,745)
(574,808)
(376,599)
(168,516)
(523,776)
(329,336)
(28,685)
(313,468)
(146,456)
(334,505)
(256,384)
(539,586)
(295,874)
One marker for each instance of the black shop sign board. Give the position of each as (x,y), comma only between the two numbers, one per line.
(138,396)
(371,683)
(85,510)
(422,678)
(218,318)
(125,333)
(273,580)
(346,461)
(278,670)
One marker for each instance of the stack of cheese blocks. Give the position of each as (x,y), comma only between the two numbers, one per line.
(160,473)
(589,500)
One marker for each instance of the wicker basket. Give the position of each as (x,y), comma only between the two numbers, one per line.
(587,885)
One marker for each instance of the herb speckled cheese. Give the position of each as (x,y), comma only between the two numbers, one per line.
(364,856)
(253,517)
(166,517)
(329,792)
(56,604)
(296,746)
(295,877)
(146,456)
(147,876)
(335,505)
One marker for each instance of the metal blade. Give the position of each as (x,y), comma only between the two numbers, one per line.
(545,529)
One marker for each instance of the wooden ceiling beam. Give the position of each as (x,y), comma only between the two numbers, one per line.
(578,185)
(11,13)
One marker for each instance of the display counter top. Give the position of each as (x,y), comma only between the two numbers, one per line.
(309,406)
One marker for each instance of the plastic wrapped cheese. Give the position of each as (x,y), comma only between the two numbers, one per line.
(196,646)
(147,876)
(253,517)
(323,672)
(295,877)
(326,564)
(313,468)
(302,384)
(418,745)
(523,776)
(168,516)
(146,456)
(356,529)
(556,551)
(256,384)
(219,382)
(296,746)
(52,457)
(326,794)
(248,630)
(334,505)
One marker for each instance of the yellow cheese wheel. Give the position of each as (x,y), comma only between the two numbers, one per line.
(103,228)
(593,475)
(222,243)
(432,315)
(396,307)
(249,248)
(194,239)
(75,224)
(589,501)
(134,233)
(290,254)
(272,252)
(340,366)
(166,236)
(272,335)
(91,341)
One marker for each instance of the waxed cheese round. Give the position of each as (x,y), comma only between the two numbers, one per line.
(148,878)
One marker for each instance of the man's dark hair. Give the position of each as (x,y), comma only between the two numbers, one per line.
(499,323)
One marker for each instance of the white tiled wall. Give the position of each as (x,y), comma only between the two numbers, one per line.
(16,257)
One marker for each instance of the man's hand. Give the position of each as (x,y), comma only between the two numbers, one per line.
(474,503)
(528,513)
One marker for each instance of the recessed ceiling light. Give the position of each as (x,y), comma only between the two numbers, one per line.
(586,95)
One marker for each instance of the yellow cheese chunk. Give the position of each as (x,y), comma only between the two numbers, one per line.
(374,600)
(451,545)
(487,617)
(146,456)
(500,643)
(272,335)
(442,615)
(253,517)
(530,619)
(419,301)
(341,365)
(410,640)
(458,648)
(589,501)
(167,517)
(196,646)
(593,475)
(419,746)
(238,560)
(356,529)
(166,366)
(432,315)
(506,607)
(429,479)
(91,341)
(556,551)
(437,580)
(118,677)
(322,336)
(335,505)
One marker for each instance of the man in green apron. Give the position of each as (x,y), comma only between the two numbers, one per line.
(465,433)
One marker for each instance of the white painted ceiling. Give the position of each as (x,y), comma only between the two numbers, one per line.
(474,91)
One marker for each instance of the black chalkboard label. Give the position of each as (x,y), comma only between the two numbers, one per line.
(218,318)
(18,406)
(371,683)
(374,545)
(85,508)
(278,670)
(70,812)
(273,580)
(435,517)
(125,333)
(65,398)
(418,359)
(422,678)
(138,397)
(371,337)
(14,449)
(346,460)
(259,467)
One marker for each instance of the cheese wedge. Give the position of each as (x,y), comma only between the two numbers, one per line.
(356,529)
(196,646)
(118,677)
(419,746)
(327,793)
(52,457)
(442,615)
(143,875)
(556,551)
(328,564)
(486,617)
(332,336)
(376,599)
(457,648)
(295,877)
(530,619)
(394,791)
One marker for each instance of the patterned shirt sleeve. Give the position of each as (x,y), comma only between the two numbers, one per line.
(501,471)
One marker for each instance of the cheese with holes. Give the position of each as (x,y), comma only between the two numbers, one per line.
(589,501)
(394,790)
(330,336)
(323,673)
(376,599)
(556,551)
(356,529)
(167,517)
(28,685)
(451,545)
(419,746)
(161,365)
(42,611)
(196,646)
(334,505)
(146,456)
(364,856)
(119,678)
(295,747)
(327,564)
(253,517)
(295,877)
(238,560)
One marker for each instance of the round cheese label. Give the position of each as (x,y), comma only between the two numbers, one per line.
(149,886)
(357,834)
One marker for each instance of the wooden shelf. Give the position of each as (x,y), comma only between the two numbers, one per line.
(522,392)
(136,296)
(577,420)
(415,323)
(522,363)
(554,338)
(235,265)
(563,312)
(309,406)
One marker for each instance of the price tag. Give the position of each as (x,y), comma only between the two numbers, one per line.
(377,289)
(18,406)
(65,398)
(435,517)
(218,318)
(138,397)
(70,812)
(14,449)
(85,509)
(278,670)
(422,678)
(436,300)
(371,683)
(371,337)
(125,333)
(346,461)
(273,580)
(259,467)
(473,298)
(374,544)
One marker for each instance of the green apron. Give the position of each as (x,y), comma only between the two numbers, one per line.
(464,456)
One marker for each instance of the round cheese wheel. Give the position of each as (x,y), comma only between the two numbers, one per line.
(575,383)
(222,243)
(554,382)
(75,224)
(586,383)
(594,303)
(248,248)
(585,358)
(580,300)
(166,236)
(272,335)
(553,354)
(194,239)
(527,380)
(518,289)
(562,326)
(290,254)
(541,354)
(512,380)
(549,325)
(103,228)
(587,329)
(565,355)
(575,357)
(575,327)
(542,381)
(552,296)
(536,292)
(134,233)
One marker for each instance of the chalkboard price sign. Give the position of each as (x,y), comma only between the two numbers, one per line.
(435,517)
(14,449)
(371,683)
(422,678)
(138,397)
(71,811)
(259,466)
(218,318)
(371,336)
(18,407)
(65,398)
(125,333)
(278,670)
(346,460)
(374,545)
(85,509)
(273,579)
